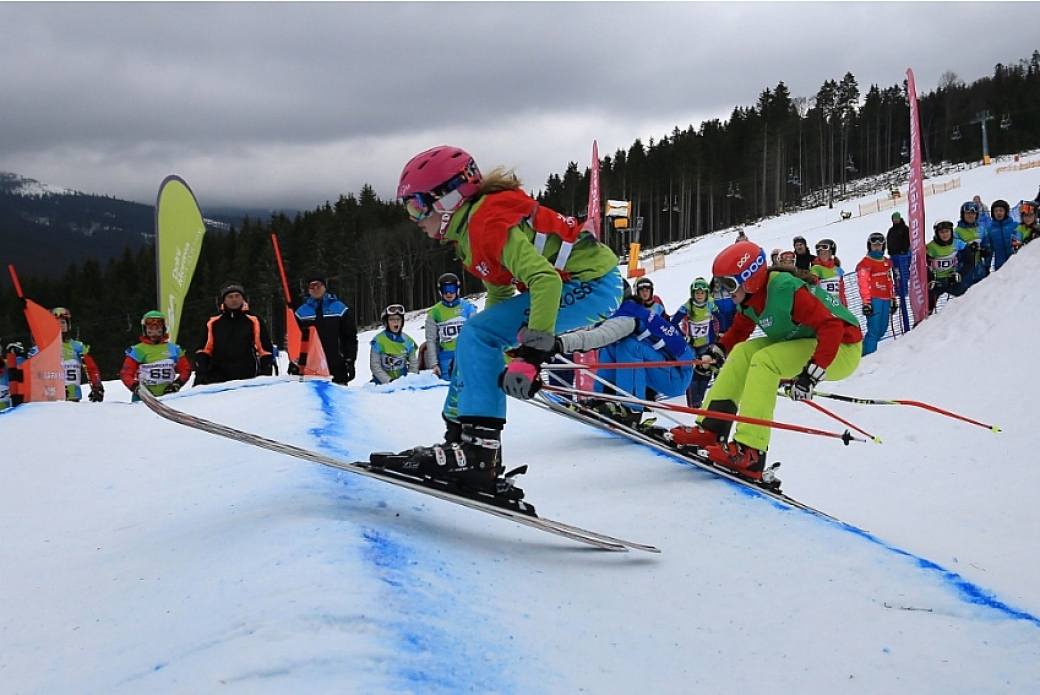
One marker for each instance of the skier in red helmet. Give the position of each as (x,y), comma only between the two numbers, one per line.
(809,336)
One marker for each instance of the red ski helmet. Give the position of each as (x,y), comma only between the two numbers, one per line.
(438,180)
(741,264)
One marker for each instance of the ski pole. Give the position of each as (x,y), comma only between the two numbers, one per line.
(843,421)
(845,437)
(622,365)
(913,404)
(606,383)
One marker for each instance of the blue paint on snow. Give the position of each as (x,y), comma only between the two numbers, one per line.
(965,590)
(434,628)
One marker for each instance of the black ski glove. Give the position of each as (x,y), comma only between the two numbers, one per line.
(955,278)
(717,355)
(803,384)
(97,394)
(349,372)
(173,387)
(868,309)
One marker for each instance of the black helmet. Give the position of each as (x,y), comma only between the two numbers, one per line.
(941,225)
(392,310)
(876,238)
(827,244)
(1001,204)
(970,206)
(644,282)
(448,279)
(627,291)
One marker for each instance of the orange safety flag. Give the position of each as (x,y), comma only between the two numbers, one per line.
(317,364)
(42,376)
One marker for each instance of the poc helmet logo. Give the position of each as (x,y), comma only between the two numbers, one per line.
(751,269)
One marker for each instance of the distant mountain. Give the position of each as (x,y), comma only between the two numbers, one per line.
(44,229)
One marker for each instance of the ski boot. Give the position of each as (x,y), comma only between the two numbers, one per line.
(745,461)
(695,437)
(472,463)
(619,413)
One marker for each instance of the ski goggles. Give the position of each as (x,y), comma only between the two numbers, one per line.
(1027,209)
(876,239)
(699,285)
(824,247)
(155,323)
(970,207)
(395,310)
(787,257)
(419,206)
(730,283)
(449,289)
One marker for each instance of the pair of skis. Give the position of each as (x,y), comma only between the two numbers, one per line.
(575,410)
(504,507)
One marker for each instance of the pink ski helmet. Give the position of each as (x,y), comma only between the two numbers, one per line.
(438,180)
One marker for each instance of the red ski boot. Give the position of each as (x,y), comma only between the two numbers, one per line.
(695,436)
(741,459)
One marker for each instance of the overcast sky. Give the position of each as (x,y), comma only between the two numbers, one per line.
(290,105)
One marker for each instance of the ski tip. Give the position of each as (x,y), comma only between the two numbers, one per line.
(877,439)
(995,429)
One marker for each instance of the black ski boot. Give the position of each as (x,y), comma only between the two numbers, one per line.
(473,463)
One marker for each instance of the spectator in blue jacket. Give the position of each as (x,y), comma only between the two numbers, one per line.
(634,333)
(974,236)
(725,304)
(337,329)
(1002,238)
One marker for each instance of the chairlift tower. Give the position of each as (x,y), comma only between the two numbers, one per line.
(981,117)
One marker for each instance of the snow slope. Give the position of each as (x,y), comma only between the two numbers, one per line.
(144,557)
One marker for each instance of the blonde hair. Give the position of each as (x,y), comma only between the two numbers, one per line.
(498,180)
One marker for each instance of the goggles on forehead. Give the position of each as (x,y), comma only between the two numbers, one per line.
(787,257)
(395,310)
(700,286)
(1027,209)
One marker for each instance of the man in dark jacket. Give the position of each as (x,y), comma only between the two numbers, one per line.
(898,242)
(803,257)
(336,327)
(236,343)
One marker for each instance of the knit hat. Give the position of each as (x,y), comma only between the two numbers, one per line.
(228,289)
(314,276)
(896,216)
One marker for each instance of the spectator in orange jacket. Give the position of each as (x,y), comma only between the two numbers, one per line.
(874,275)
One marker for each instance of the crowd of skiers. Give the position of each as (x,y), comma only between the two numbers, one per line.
(553,289)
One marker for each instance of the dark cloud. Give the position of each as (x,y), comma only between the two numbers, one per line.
(290,104)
